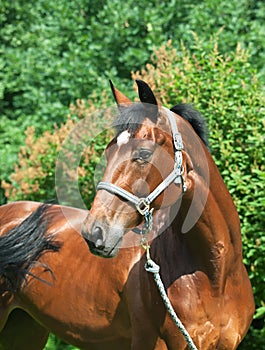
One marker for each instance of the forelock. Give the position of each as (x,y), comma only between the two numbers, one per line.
(130,118)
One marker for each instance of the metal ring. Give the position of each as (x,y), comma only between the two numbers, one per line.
(142,207)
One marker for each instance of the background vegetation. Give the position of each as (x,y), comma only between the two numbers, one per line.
(59,54)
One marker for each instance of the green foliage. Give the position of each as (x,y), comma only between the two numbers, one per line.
(242,21)
(11,138)
(49,159)
(52,53)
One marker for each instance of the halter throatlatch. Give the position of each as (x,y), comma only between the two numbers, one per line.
(142,205)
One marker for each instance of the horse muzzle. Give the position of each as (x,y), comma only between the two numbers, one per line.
(102,240)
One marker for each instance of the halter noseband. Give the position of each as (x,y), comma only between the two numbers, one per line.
(143,204)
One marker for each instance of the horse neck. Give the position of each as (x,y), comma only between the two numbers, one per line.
(213,243)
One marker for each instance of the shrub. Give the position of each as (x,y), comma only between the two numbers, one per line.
(34,176)
(52,53)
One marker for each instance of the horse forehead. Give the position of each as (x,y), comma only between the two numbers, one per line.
(145,132)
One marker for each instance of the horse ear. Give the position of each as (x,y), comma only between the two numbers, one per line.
(145,93)
(119,97)
(148,99)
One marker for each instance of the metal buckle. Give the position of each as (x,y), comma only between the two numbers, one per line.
(143,207)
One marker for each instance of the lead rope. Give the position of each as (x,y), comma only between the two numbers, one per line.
(152,267)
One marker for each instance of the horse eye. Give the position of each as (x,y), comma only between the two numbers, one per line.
(143,155)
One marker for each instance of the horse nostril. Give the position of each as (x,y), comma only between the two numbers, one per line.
(98,237)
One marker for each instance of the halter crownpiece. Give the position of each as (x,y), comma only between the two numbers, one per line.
(142,205)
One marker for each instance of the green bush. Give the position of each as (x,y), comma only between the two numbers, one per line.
(52,53)
(35,172)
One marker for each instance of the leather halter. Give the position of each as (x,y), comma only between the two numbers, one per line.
(143,204)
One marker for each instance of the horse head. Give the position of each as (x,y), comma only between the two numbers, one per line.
(147,169)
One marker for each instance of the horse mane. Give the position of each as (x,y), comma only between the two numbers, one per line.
(195,119)
(23,245)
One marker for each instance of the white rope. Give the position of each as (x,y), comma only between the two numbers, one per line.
(153,268)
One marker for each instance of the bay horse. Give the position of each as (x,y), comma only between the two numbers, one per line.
(160,177)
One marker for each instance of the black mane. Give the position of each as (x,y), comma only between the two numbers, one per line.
(131,118)
(23,245)
(195,119)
